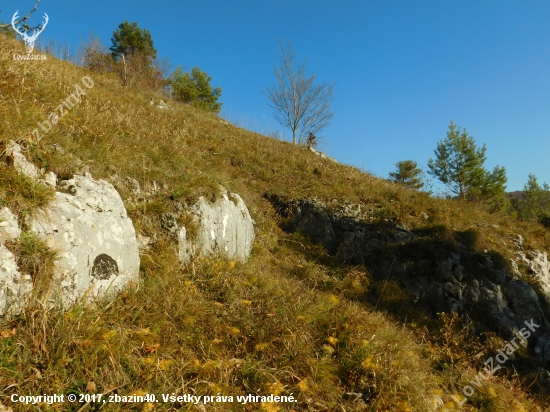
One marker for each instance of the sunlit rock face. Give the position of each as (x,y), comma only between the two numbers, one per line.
(88,228)
(95,240)
(14,286)
(538,267)
(225,229)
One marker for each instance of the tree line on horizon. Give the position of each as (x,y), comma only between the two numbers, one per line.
(303,106)
(459,164)
(133,57)
(298,103)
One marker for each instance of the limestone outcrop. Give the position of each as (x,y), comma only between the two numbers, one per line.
(538,267)
(224,229)
(14,286)
(88,227)
(440,278)
(18,160)
(322,155)
(96,243)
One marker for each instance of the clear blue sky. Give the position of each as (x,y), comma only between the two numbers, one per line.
(403,69)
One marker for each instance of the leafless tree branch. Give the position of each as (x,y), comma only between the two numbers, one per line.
(296,101)
(24,18)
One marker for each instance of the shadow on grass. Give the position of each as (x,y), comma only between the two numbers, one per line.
(378,280)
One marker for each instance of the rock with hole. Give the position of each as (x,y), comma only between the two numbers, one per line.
(96,243)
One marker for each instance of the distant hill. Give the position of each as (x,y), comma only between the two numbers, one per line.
(518,194)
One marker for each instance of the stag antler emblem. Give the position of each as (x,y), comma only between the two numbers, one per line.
(29,40)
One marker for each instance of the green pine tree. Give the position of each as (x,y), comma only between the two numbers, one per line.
(493,189)
(535,203)
(129,39)
(459,165)
(133,57)
(408,174)
(194,88)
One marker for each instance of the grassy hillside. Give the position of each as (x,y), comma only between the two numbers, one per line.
(290,321)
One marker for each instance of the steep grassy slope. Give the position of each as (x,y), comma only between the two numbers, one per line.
(290,321)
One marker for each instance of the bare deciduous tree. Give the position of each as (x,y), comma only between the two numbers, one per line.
(297,102)
(94,55)
(24,18)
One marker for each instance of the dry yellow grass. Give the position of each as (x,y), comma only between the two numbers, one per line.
(288,322)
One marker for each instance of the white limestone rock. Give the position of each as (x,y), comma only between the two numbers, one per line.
(23,166)
(87,225)
(9,228)
(144,243)
(94,238)
(161,104)
(225,229)
(50,179)
(538,267)
(322,155)
(14,286)
(20,162)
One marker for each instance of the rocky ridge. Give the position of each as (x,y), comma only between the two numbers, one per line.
(440,277)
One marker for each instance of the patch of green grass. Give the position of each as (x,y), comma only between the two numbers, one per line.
(36,259)
(23,195)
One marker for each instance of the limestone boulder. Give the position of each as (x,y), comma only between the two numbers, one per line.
(20,162)
(95,240)
(88,228)
(538,267)
(225,229)
(14,286)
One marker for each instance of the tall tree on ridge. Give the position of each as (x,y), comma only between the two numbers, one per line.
(459,165)
(297,102)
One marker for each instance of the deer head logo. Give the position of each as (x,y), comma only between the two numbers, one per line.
(35,32)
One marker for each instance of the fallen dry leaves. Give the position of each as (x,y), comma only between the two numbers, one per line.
(6,333)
